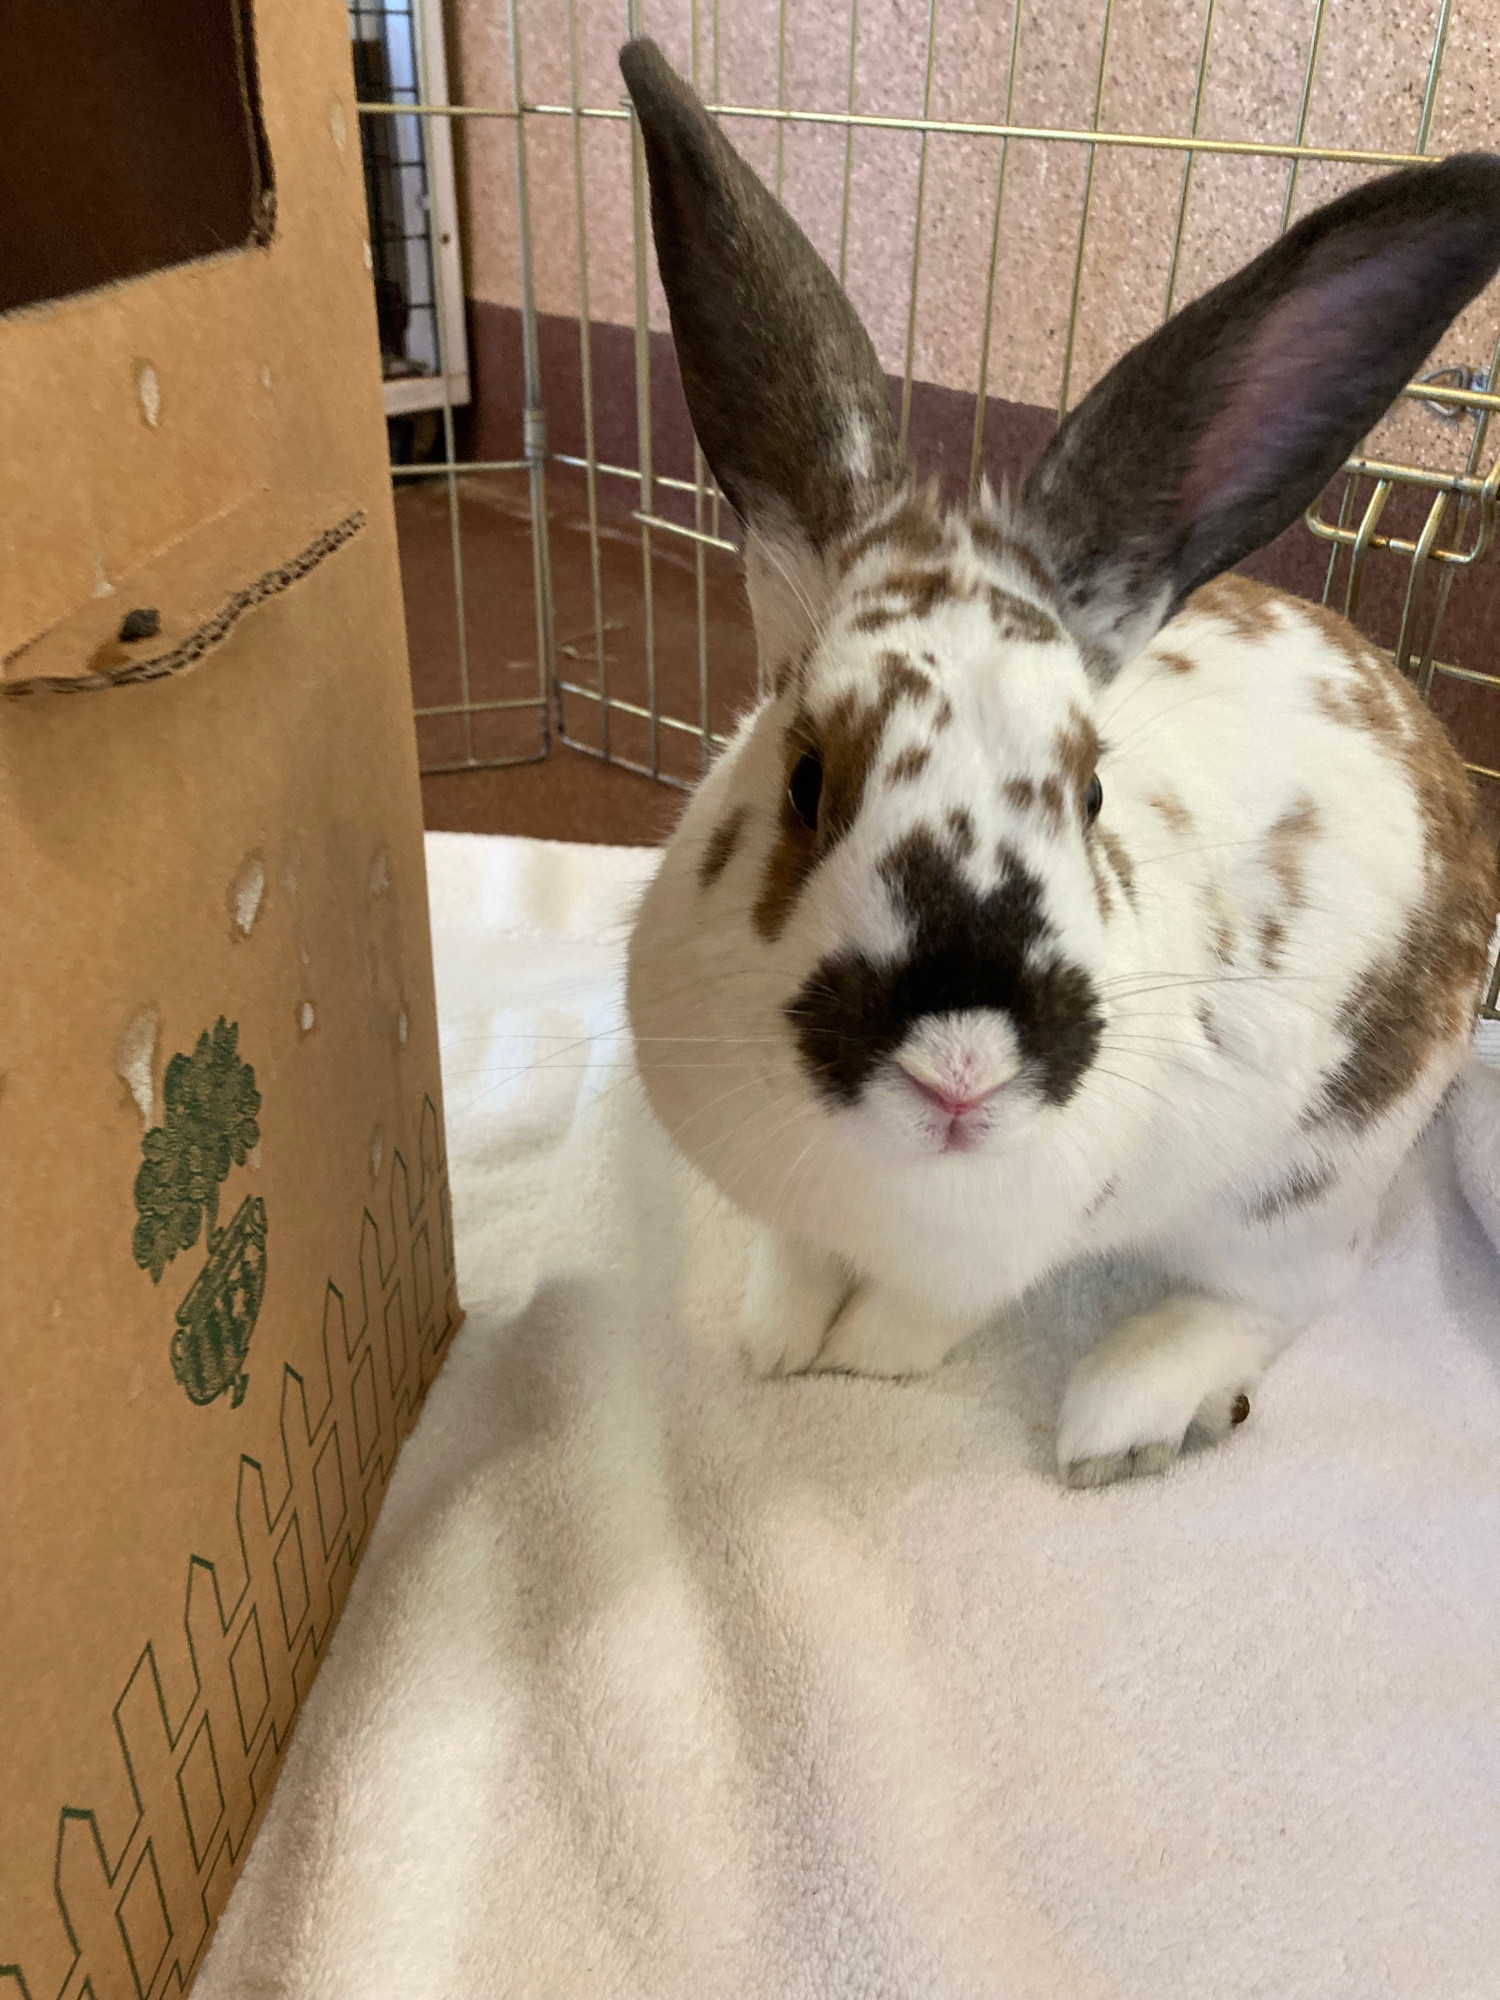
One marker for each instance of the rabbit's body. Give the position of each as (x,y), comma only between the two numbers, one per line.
(1283,909)
(1016,925)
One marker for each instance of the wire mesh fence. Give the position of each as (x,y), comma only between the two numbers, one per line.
(1012,195)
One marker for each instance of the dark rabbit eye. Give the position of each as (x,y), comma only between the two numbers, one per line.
(806,787)
(1093,799)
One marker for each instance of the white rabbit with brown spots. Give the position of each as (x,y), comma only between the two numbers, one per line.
(1065,894)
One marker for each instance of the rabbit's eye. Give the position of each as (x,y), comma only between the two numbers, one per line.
(806,788)
(1093,799)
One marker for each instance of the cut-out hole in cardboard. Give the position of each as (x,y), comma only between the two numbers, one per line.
(131,141)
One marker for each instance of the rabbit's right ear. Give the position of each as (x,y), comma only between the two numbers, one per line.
(783,386)
(1216,432)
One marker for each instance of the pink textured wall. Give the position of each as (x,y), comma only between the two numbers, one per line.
(1371,76)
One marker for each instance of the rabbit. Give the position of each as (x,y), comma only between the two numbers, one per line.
(1065,894)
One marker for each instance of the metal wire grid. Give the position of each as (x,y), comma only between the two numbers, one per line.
(1458,528)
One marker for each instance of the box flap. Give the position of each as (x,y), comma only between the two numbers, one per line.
(196,591)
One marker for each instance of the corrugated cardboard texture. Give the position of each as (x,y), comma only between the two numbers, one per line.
(225,1261)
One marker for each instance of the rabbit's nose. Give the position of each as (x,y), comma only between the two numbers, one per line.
(957,1063)
(945,1101)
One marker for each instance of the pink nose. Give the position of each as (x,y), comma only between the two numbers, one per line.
(950,1106)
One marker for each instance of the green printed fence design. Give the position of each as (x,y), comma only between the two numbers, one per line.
(137,1921)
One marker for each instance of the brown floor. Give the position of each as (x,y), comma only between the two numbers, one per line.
(570,796)
(561,793)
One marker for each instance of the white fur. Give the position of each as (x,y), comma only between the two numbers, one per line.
(1179,1128)
(1134,1397)
(859,446)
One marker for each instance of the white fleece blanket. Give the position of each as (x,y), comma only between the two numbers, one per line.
(658,1682)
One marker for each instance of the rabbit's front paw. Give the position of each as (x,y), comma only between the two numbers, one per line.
(1180,1374)
(792,1296)
(881,1332)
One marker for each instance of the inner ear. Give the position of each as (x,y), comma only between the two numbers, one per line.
(1214,434)
(1318,365)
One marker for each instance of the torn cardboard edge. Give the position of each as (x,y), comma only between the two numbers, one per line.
(211,632)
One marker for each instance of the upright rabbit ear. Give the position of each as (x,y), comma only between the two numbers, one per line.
(782,383)
(1215,433)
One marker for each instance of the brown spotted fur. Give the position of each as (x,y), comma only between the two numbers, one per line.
(1119,860)
(1300,1189)
(908,764)
(1425,990)
(847,736)
(961,832)
(720,846)
(1172,811)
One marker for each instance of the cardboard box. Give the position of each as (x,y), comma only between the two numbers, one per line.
(226,1274)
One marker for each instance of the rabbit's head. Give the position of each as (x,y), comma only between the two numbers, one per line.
(888,910)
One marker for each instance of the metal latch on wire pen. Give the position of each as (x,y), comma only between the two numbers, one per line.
(534,433)
(1460,377)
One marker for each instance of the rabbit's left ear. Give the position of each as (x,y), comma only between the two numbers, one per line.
(783,386)
(1209,438)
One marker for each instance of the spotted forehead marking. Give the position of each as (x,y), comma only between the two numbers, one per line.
(1017,618)
(914,527)
(902,594)
(901,567)
(914,557)
(908,764)
(1005,546)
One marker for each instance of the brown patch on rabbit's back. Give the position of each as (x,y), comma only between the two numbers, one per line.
(1246,607)
(1284,851)
(1424,992)
(1286,846)
(847,737)
(1369,695)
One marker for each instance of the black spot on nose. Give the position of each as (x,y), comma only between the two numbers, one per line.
(968,949)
